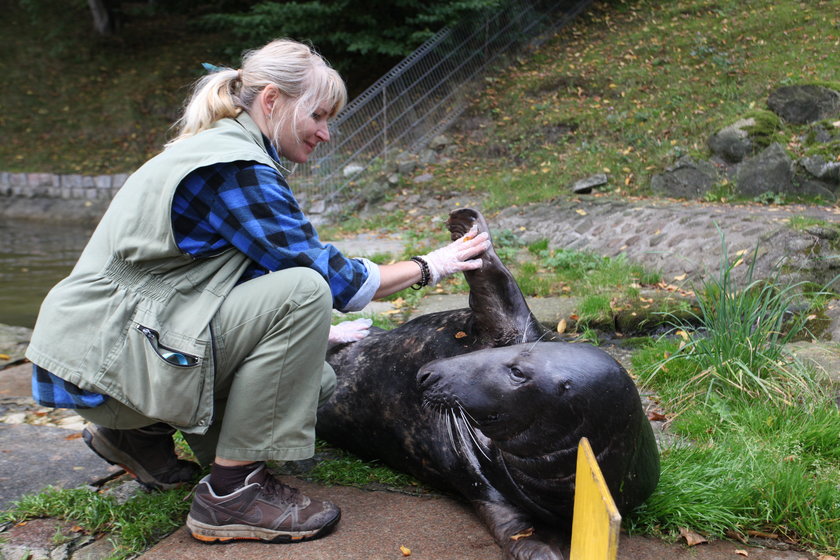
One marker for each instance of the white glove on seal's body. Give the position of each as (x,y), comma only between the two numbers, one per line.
(349,331)
(457,256)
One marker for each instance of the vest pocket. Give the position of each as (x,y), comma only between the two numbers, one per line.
(169,355)
(160,381)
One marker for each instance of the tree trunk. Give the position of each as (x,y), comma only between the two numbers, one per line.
(105,16)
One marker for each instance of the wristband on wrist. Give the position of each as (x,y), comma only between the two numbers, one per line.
(425,274)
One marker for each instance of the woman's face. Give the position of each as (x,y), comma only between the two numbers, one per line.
(297,139)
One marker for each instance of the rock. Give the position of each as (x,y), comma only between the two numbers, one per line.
(770,171)
(13,343)
(406,167)
(352,169)
(439,143)
(733,143)
(821,169)
(803,104)
(585,186)
(687,178)
(822,357)
(428,156)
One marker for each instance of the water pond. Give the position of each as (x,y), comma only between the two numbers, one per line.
(34,256)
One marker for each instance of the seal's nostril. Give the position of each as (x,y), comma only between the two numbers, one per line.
(422,377)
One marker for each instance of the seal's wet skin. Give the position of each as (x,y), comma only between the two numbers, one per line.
(486,403)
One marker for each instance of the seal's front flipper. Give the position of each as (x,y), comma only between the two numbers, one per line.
(501,315)
(515,532)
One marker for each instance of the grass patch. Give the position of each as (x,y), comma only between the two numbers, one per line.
(133,526)
(677,72)
(757,444)
(739,351)
(345,469)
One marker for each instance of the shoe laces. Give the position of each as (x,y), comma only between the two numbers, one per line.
(272,487)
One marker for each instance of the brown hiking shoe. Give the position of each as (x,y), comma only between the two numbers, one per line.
(263,509)
(147,454)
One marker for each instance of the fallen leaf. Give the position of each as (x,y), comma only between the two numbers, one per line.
(763,535)
(680,278)
(682,334)
(736,536)
(76,435)
(405,550)
(656,417)
(561,326)
(691,538)
(826,557)
(581,212)
(522,535)
(460,334)
(5,357)
(740,552)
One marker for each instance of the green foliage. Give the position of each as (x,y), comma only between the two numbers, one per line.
(738,352)
(134,525)
(805,222)
(345,469)
(678,72)
(349,32)
(766,129)
(757,436)
(755,466)
(595,308)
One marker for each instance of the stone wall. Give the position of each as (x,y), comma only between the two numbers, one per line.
(67,187)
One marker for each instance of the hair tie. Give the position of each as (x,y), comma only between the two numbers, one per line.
(211,67)
(239,74)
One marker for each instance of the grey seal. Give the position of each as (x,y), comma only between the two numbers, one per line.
(487,403)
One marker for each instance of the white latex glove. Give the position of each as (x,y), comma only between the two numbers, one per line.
(457,256)
(349,331)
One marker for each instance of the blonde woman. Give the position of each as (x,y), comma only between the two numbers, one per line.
(202,303)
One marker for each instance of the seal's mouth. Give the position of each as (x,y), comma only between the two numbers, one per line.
(462,428)
(488,421)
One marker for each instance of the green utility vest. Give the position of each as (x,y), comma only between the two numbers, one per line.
(132,320)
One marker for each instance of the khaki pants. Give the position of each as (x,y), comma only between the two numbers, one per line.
(270,340)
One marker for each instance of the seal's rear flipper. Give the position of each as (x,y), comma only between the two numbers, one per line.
(501,315)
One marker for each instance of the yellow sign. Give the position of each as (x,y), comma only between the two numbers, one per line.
(596,521)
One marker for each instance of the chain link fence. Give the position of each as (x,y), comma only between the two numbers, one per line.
(422,95)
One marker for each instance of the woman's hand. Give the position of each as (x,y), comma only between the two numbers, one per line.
(349,331)
(457,256)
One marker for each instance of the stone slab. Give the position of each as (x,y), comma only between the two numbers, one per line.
(33,457)
(375,524)
(16,381)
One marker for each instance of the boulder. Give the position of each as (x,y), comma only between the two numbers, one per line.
(770,171)
(585,186)
(687,178)
(803,104)
(733,143)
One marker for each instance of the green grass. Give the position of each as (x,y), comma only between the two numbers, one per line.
(740,350)
(633,85)
(133,526)
(757,431)
(345,469)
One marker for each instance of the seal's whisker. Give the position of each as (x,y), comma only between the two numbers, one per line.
(448,419)
(471,432)
(543,335)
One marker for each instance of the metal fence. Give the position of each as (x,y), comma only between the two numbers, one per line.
(422,95)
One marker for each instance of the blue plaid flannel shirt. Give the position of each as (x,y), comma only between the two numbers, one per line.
(249,206)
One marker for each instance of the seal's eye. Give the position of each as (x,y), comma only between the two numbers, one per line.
(516,375)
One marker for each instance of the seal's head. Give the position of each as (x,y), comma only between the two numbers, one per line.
(534,399)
